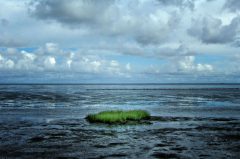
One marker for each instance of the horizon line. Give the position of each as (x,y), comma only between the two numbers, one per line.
(181,83)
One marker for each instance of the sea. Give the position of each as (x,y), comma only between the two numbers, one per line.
(188,121)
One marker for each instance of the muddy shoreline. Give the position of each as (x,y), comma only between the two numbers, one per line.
(165,137)
(47,122)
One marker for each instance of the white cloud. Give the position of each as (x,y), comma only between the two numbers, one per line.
(25,61)
(6,63)
(52,58)
(9,64)
(95,65)
(51,47)
(187,64)
(1,57)
(179,67)
(69,63)
(114,63)
(204,67)
(128,67)
(49,62)
(28,56)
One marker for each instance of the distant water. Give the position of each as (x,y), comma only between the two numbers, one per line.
(192,121)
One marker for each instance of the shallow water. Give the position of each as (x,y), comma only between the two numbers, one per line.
(190,121)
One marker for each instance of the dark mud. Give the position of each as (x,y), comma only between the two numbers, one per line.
(76,138)
(47,122)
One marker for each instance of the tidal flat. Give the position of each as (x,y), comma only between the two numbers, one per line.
(170,137)
(49,122)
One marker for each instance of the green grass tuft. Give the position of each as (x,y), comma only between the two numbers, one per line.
(118,116)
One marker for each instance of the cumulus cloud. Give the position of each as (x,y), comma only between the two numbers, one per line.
(187,64)
(181,68)
(47,59)
(118,38)
(25,61)
(49,62)
(182,65)
(211,30)
(6,63)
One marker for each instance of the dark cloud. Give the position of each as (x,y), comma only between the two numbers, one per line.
(10,42)
(178,3)
(71,12)
(4,22)
(211,30)
(232,5)
(106,18)
(236,43)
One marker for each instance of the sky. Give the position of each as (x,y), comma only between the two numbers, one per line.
(119,41)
